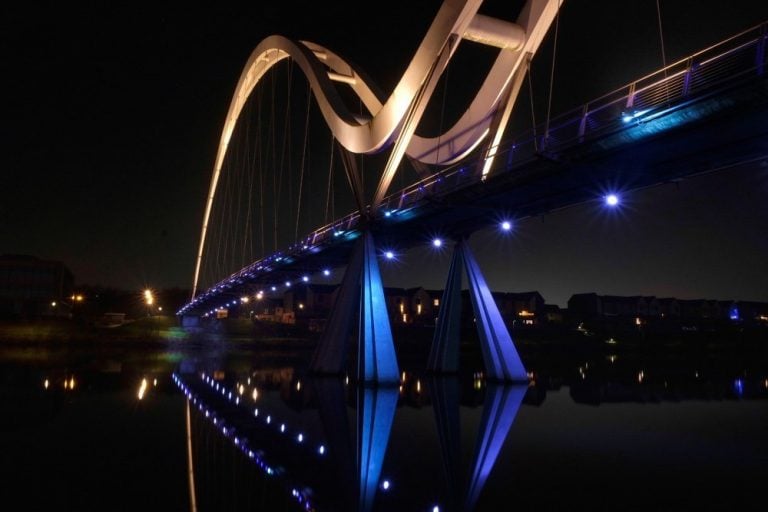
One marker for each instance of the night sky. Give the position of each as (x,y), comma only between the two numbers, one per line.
(112,112)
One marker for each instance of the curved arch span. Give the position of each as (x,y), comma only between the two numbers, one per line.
(388,117)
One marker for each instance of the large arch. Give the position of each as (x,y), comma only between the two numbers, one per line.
(393,119)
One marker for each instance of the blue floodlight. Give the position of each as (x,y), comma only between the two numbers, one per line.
(389,255)
(437,242)
(506,225)
(612,200)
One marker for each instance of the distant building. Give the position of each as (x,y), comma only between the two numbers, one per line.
(31,288)
(524,308)
(425,305)
(669,312)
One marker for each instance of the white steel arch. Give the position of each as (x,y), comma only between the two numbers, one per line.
(392,121)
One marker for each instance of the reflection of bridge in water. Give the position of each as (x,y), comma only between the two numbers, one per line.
(431,442)
(702,114)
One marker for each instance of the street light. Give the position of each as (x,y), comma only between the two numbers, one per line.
(149,299)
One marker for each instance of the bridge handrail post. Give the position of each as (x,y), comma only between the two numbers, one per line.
(631,95)
(583,122)
(690,69)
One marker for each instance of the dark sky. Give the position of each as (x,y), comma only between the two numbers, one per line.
(112,112)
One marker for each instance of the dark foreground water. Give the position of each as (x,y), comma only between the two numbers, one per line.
(226,426)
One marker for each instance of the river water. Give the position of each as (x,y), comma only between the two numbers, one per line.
(226,425)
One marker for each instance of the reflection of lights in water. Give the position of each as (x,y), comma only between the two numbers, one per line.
(241,389)
(640,376)
(321,450)
(302,495)
(418,386)
(142,389)
(298,385)
(300,438)
(46,384)
(385,485)
(154,382)
(256,412)
(255,394)
(738,387)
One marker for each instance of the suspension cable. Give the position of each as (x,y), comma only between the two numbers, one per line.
(552,78)
(285,155)
(330,183)
(661,38)
(533,110)
(303,161)
(663,51)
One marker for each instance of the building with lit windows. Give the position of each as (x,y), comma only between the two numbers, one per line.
(32,288)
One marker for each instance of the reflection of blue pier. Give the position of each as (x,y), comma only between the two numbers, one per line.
(343,464)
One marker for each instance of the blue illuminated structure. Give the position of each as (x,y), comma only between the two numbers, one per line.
(362,291)
(502,362)
(358,458)
(502,401)
(501,405)
(373,429)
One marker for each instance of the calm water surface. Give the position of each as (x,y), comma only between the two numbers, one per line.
(225,426)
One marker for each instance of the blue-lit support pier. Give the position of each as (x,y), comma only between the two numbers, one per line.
(501,405)
(361,290)
(502,362)
(374,426)
(502,402)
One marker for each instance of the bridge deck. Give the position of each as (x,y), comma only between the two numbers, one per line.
(677,127)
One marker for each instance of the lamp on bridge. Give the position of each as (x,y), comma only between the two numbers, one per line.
(612,200)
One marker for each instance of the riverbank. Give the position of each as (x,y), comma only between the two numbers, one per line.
(409,339)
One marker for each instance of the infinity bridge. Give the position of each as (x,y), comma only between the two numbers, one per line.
(702,114)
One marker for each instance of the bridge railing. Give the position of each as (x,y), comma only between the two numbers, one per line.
(725,62)
(636,102)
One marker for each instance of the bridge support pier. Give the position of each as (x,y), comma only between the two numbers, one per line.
(190,321)
(502,362)
(361,291)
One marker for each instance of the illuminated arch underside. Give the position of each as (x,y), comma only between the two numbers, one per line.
(389,118)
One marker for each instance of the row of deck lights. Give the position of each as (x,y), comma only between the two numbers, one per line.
(234,396)
(299,495)
(302,497)
(611,200)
